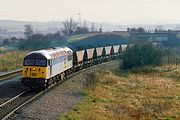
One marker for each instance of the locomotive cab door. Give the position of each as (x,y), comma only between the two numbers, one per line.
(50,68)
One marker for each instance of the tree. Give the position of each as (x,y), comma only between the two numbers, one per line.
(141,55)
(69,27)
(141,30)
(138,30)
(93,29)
(82,30)
(28,31)
(6,41)
(38,41)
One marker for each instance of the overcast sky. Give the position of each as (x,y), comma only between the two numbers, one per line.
(118,11)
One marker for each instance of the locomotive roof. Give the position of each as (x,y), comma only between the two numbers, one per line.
(53,53)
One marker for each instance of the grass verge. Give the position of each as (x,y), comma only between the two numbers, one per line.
(130,96)
(11,60)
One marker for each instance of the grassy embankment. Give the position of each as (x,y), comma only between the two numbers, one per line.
(116,95)
(11,60)
(80,37)
(92,40)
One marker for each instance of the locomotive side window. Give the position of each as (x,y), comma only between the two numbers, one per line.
(29,62)
(40,62)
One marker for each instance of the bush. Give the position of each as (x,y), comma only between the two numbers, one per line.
(144,54)
(144,69)
(91,82)
(40,41)
(3,50)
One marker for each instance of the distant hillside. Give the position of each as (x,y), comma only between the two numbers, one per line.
(51,26)
(45,27)
(16,28)
(96,40)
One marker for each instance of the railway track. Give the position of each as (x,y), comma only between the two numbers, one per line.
(9,108)
(11,74)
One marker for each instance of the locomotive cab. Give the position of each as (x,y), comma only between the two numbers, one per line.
(34,70)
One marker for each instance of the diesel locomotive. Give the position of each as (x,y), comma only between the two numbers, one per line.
(43,68)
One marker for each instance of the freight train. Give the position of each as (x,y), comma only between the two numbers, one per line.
(43,68)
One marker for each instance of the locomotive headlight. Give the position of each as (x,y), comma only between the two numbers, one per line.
(34,69)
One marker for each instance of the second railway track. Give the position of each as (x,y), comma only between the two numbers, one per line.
(11,74)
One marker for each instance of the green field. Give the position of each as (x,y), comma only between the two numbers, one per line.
(76,38)
(119,95)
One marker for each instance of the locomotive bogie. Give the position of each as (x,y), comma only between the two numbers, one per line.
(34,83)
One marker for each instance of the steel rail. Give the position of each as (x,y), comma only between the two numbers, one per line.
(11,74)
(12,99)
(9,115)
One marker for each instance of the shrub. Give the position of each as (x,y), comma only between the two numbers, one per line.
(3,50)
(38,41)
(144,54)
(91,82)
